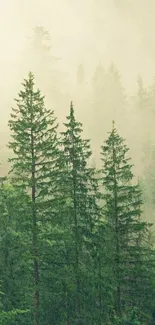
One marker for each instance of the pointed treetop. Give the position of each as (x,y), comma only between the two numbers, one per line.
(71,105)
(99,73)
(113,127)
(41,37)
(29,82)
(114,71)
(71,110)
(31,76)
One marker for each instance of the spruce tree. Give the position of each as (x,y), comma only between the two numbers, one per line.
(122,210)
(34,144)
(15,276)
(79,186)
(142,96)
(109,101)
(46,68)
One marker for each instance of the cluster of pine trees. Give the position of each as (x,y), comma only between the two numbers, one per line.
(74,248)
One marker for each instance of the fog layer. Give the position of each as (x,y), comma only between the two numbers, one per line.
(82,32)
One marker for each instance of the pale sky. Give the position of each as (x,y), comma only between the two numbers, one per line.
(83,31)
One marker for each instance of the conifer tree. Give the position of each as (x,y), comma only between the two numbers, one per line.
(109,101)
(142,96)
(15,273)
(34,144)
(79,185)
(45,65)
(122,211)
(147,121)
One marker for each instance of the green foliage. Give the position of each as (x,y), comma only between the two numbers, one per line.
(125,230)
(132,319)
(33,134)
(78,203)
(69,253)
(34,171)
(6,318)
(15,266)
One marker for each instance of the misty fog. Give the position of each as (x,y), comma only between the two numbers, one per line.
(91,34)
(77,162)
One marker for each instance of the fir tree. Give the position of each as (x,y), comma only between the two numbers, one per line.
(15,264)
(142,98)
(79,186)
(34,144)
(122,211)
(45,66)
(109,101)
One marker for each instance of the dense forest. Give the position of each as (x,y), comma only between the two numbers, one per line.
(76,234)
(74,247)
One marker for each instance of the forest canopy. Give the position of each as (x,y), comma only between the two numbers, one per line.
(74,244)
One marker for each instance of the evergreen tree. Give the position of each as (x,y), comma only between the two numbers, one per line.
(142,114)
(41,46)
(108,92)
(34,144)
(46,67)
(146,118)
(122,211)
(109,101)
(98,87)
(79,187)
(15,265)
(142,98)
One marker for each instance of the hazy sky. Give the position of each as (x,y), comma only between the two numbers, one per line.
(82,31)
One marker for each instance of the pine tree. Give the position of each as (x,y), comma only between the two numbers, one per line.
(34,144)
(41,46)
(79,186)
(122,211)
(109,101)
(142,112)
(98,90)
(147,121)
(15,276)
(115,98)
(45,65)
(142,98)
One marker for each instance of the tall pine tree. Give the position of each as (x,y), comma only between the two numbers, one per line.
(34,144)
(122,211)
(80,188)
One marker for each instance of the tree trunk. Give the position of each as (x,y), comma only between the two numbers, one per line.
(78,305)
(118,289)
(34,241)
